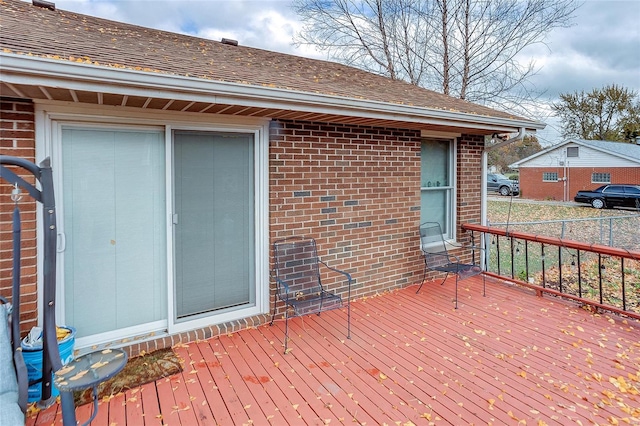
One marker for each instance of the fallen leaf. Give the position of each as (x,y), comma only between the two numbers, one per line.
(491,402)
(79,375)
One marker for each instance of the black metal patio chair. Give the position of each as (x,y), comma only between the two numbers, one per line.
(296,272)
(437,258)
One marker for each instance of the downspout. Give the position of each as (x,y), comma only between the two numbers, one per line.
(484,255)
(483,190)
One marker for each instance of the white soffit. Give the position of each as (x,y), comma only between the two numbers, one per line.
(24,70)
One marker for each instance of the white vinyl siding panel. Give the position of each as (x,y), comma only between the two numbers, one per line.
(589,157)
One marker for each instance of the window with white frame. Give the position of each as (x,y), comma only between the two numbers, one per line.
(436,195)
(600,177)
(550,176)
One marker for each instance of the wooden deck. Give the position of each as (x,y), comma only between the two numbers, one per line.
(508,358)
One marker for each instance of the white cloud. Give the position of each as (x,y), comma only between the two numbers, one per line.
(601,48)
(262,24)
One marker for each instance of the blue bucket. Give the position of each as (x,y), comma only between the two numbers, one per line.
(33,359)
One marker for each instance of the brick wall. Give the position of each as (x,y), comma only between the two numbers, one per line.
(17,138)
(469,184)
(356,189)
(532,186)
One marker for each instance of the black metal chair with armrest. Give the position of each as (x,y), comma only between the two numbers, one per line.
(437,258)
(296,271)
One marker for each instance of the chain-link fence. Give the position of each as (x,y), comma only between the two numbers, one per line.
(615,231)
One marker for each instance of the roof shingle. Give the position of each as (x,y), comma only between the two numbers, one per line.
(30,30)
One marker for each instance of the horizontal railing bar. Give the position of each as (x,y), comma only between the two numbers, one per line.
(595,248)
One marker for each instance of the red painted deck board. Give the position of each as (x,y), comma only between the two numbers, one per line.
(150,404)
(505,358)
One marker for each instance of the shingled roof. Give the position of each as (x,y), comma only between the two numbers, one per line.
(59,35)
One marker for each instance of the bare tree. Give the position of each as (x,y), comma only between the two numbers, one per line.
(464,48)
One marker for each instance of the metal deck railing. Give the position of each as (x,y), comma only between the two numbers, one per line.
(600,276)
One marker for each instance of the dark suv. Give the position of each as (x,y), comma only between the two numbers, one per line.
(502,184)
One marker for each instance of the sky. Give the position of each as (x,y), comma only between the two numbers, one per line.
(602,47)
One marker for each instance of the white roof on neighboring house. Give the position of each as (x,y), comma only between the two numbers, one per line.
(623,150)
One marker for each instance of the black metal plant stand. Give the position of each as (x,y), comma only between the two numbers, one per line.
(45,196)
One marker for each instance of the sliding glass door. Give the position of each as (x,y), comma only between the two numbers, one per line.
(160,230)
(214,217)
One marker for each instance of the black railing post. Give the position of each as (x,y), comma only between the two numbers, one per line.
(624,298)
(600,275)
(512,258)
(544,276)
(473,245)
(498,252)
(560,268)
(526,258)
(579,276)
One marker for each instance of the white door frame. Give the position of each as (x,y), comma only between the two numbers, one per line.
(51,116)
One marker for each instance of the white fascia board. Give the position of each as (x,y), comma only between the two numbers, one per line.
(21,69)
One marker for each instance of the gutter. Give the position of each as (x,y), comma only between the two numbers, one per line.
(20,69)
(518,137)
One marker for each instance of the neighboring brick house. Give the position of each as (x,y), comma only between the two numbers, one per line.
(560,171)
(178,161)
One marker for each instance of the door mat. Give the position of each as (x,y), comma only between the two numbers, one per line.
(138,371)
